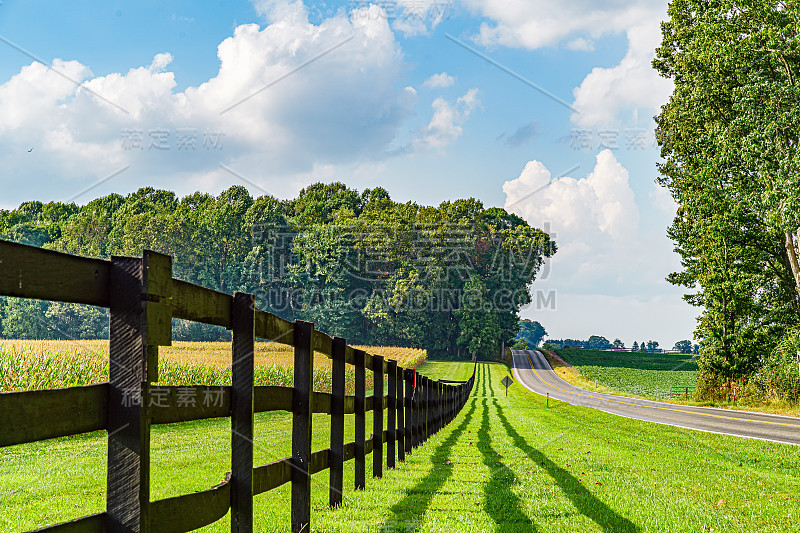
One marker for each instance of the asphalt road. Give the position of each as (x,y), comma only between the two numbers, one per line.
(532,370)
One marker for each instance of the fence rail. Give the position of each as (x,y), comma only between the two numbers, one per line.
(681,392)
(143,298)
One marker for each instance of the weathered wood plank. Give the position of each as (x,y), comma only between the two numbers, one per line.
(95,523)
(128,478)
(377,417)
(322,402)
(272,475)
(30,272)
(192,302)
(391,411)
(242,375)
(30,416)
(273,398)
(171,404)
(273,328)
(302,407)
(190,511)
(336,486)
(408,438)
(323,343)
(359,423)
(320,460)
(400,405)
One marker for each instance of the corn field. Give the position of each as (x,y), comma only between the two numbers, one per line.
(33,365)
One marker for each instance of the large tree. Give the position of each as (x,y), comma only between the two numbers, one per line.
(729,136)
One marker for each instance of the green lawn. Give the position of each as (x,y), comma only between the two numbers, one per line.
(504,464)
(650,375)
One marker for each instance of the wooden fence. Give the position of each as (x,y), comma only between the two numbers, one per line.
(143,298)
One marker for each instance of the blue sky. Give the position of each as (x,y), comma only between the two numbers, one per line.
(432,99)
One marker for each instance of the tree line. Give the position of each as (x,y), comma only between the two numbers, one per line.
(729,136)
(451,279)
(598,342)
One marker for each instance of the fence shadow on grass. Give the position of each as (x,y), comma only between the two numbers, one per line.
(412,508)
(499,500)
(582,498)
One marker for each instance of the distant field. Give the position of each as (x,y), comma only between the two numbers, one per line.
(650,375)
(28,365)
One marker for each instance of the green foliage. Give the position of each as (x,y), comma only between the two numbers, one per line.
(683,346)
(729,137)
(451,279)
(531,332)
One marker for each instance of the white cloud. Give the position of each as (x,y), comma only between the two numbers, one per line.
(606,92)
(445,125)
(418,17)
(538,23)
(596,210)
(309,96)
(579,44)
(442,80)
(663,200)
(607,276)
(631,85)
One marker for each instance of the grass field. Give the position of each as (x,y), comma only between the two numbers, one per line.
(29,365)
(505,464)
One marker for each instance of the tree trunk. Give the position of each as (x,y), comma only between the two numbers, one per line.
(792,255)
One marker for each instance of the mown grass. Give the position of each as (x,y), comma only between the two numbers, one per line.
(505,464)
(30,365)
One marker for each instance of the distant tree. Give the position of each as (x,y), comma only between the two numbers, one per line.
(618,344)
(519,344)
(643,347)
(25,319)
(532,332)
(652,346)
(598,343)
(635,346)
(683,346)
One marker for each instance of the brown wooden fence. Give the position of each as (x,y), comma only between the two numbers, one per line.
(143,298)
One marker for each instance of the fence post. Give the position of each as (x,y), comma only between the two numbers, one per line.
(243,327)
(391,414)
(360,430)
(401,425)
(426,409)
(337,422)
(408,438)
(377,416)
(301,425)
(140,320)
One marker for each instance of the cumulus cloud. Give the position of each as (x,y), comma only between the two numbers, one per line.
(289,97)
(419,17)
(606,92)
(594,220)
(538,23)
(445,125)
(631,85)
(600,207)
(442,80)
(580,44)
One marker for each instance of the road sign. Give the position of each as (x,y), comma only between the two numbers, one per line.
(507,381)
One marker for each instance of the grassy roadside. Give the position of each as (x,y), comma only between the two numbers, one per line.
(643,376)
(504,464)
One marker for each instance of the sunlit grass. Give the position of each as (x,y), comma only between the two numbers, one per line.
(505,464)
